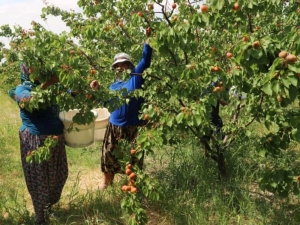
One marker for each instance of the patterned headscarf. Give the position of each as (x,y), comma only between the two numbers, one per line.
(24,74)
(24,78)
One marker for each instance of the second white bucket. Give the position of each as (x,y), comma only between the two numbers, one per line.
(101,123)
(81,135)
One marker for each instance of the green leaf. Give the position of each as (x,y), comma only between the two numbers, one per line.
(257,54)
(286,82)
(274,184)
(267,88)
(20,56)
(293,80)
(180,117)
(197,119)
(142,138)
(262,153)
(205,17)
(28,158)
(294,68)
(169,122)
(218,4)
(293,93)
(276,86)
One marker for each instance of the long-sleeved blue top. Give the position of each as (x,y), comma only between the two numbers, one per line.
(128,114)
(39,121)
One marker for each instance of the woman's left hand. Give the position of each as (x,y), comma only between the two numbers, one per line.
(54,79)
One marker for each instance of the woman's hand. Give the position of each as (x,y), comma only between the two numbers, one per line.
(148,31)
(223,103)
(54,79)
(94,85)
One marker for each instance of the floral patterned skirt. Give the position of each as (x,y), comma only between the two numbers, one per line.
(44,181)
(109,162)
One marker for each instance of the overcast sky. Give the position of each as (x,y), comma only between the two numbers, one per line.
(22,12)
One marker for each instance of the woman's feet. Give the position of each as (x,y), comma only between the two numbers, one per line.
(107,180)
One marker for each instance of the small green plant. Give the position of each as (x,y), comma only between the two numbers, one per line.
(43,153)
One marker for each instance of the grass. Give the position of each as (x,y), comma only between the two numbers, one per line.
(193,194)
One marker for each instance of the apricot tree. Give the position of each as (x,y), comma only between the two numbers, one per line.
(252,45)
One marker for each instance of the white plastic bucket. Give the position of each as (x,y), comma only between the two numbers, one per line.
(101,123)
(81,135)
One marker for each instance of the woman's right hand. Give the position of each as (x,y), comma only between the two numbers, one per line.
(94,85)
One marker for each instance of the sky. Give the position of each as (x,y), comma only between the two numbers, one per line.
(22,12)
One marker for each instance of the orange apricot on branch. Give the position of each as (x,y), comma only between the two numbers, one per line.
(121,24)
(279,99)
(126,188)
(204,8)
(128,171)
(245,39)
(133,190)
(55,137)
(93,71)
(256,44)
(229,55)
(258,28)
(131,182)
(215,69)
(236,6)
(150,7)
(146,117)
(282,54)
(88,96)
(132,175)
(214,49)
(290,58)
(129,166)
(132,151)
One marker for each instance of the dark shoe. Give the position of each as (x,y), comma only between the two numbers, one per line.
(49,214)
(42,223)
